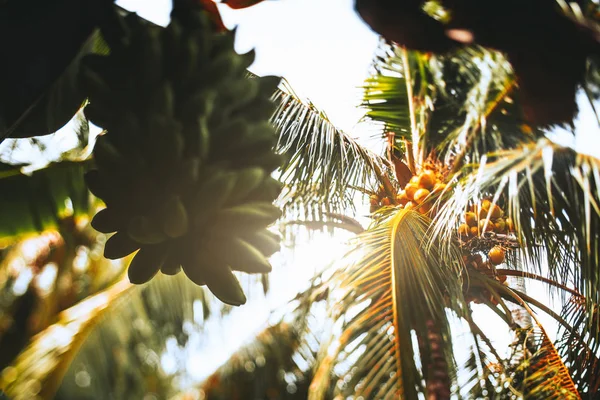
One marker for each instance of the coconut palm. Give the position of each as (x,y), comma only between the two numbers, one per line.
(467,200)
(479,200)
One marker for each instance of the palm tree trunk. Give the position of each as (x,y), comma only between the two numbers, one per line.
(437,380)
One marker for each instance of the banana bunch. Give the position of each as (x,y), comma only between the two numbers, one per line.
(184,166)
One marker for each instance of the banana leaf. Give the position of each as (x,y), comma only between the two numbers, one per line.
(36,202)
(38,79)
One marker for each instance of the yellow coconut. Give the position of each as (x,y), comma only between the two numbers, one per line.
(497,255)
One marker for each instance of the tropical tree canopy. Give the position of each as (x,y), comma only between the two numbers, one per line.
(188,178)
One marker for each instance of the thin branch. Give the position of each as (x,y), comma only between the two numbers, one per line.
(512,272)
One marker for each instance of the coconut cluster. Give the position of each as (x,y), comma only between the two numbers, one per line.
(419,193)
(496,256)
(484,217)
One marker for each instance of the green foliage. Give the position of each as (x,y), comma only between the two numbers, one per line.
(33,203)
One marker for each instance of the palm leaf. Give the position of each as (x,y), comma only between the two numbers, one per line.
(97,334)
(579,346)
(385,97)
(482,84)
(141,320)
(535,368)
(552,193)
(33,203)
(394,287)
(547,376)
(39,369)
(461,105)
(323,162)
(40,89)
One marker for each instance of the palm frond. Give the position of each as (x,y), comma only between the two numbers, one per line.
(95,336)
(144,319)
(33,203)
(393,288)
(461,105)
(535,368)
(323,162)
(334,221)
(385,97)
(39,369)
(482,84)
(482,370)
(552,193)
(580,346)
(548,376)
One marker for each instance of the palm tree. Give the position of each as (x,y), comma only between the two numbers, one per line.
(468,198)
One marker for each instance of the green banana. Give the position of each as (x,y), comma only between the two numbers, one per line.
(203,137)
(215,191)
(260,110)
(174,218)
(245,218)
(126,135)
(107,220)
(172,265)
(196,271)
(97,185)
(267,242)
(119,245)
(222,43)
(225,286)
(172,37)
(237,94)
(162,100)
(148,55)
(242,256)
(226,65)
(107,157)
(268,84)
(165,142)
(248,58)
(269,189)
(186,175)
(268,161)
(198,105)
(248,179)
(250,151)
(187,156)
(145,231)
(226,137)
(188,63)
(233,129)
(146,263)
